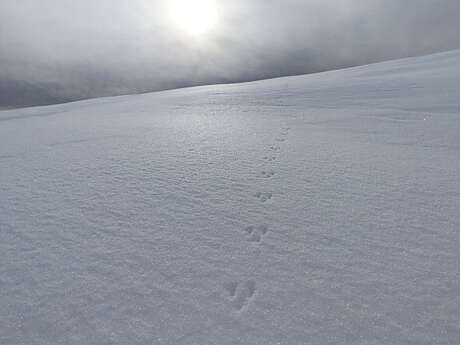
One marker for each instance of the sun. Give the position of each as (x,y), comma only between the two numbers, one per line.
(194,17)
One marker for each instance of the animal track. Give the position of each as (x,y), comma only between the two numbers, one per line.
(256,233)
(268,174)
(240,294)
(263,197)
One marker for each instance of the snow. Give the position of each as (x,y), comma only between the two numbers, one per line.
(320,209)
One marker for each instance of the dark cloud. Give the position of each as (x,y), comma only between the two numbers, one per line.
(60,50)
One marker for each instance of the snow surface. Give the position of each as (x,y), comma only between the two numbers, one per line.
(319,209)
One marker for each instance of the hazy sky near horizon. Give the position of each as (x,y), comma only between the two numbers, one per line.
(60,50)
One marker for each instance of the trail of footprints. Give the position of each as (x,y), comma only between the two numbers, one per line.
(241,293)
(269,172)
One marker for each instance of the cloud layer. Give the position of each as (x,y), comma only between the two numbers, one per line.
(61,50)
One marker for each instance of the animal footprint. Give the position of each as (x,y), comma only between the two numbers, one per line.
(256,233)
(275,148)
(263,197)
(231,288)
(240,294)
(270,158)
(280,140)
(268,174)
(285,131)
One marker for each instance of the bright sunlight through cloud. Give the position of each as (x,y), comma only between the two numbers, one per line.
(195,17)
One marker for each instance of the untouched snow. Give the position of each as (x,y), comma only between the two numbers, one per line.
(321,209)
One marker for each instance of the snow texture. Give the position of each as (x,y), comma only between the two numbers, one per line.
(319,209)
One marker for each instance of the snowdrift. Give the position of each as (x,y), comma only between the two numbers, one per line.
(320,209)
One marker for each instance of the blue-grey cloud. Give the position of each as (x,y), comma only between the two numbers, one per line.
(61,50)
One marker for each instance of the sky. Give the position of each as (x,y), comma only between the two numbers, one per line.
(54,51)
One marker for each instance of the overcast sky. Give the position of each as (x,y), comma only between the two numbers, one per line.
(60,50)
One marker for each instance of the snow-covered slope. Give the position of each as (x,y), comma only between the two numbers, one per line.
(319,209)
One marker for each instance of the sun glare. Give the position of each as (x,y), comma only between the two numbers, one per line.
(195,17)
